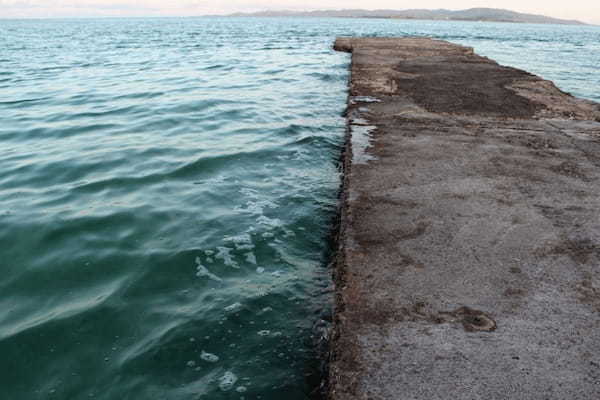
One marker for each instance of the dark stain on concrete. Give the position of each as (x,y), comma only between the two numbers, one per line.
(581,250)
(472,86)
(571,169)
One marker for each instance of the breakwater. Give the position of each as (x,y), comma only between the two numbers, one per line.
(467,260)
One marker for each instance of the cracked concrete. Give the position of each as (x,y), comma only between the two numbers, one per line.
(468,262)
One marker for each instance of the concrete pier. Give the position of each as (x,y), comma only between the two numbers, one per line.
(468,264)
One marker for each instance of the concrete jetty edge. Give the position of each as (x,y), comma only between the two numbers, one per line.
(468,253)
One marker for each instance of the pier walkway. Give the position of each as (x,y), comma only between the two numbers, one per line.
(468,263)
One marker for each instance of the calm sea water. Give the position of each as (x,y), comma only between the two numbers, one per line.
(166,192)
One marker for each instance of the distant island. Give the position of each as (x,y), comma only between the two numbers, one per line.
(472,14)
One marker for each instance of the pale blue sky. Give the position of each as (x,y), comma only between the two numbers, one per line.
(584,10)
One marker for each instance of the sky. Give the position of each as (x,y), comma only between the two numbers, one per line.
(583,10)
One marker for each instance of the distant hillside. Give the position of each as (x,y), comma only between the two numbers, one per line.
(473,14)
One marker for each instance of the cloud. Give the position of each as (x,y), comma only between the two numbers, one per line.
(89,4)
(69,8)
(575,9)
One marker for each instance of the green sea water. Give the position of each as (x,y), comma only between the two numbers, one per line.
(167,189)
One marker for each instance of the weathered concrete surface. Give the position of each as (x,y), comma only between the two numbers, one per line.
(469,248)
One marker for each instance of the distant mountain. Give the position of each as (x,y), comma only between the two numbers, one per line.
(472,14)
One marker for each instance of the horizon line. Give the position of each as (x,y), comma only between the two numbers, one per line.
(249,15)
(252,13)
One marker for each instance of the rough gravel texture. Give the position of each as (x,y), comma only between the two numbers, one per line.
(468,264)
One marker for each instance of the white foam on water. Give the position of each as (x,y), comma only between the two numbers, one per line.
(202,271)
(289,233)
(255,207)
(268,333)
(270,222)
(241,242)
(249,192)
(209,252)
(209,357)
(233,307)
(260,270)
(241,389)
(224,253)
(251,258)
(227,381)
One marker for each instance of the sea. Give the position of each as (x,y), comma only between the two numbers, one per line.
(168,189)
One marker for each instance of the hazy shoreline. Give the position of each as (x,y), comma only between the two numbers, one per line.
(469,15)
